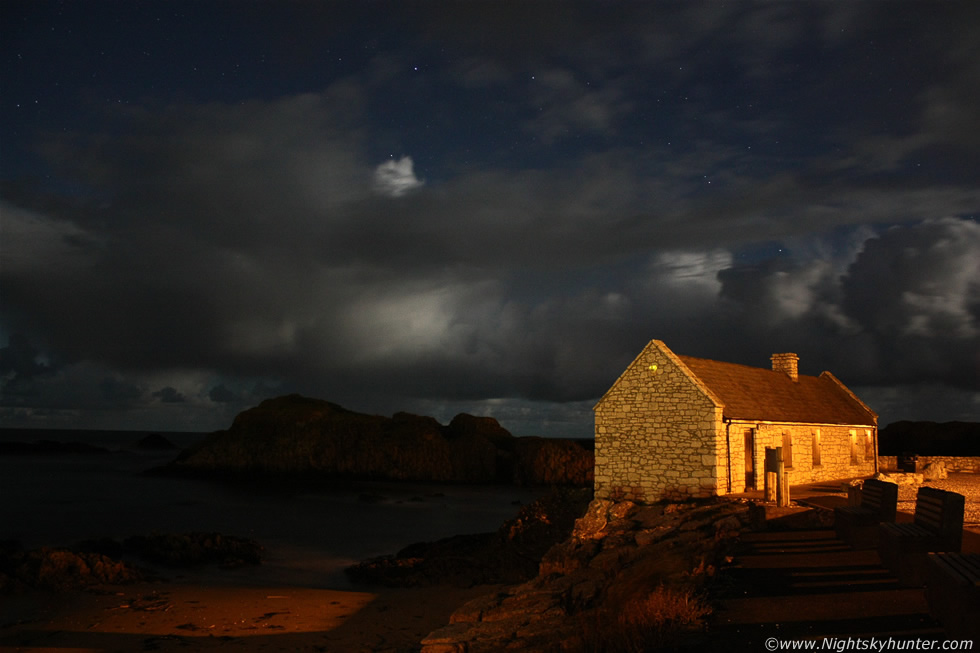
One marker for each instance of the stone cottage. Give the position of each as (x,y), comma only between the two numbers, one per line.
(675,427)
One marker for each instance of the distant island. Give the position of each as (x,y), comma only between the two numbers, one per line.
(300,437)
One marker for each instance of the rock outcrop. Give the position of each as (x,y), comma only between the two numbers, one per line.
(628,578)
(547,461)
(302,437)
(60,569)
(193,549)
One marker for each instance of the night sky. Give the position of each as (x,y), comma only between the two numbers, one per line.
(482,207)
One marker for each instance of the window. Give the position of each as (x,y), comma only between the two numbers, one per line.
(815,443)
(787,450)
(855,455)
(869,445)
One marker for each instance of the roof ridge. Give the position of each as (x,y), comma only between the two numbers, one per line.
(751,367)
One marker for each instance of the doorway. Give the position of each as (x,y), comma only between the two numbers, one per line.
(749,459)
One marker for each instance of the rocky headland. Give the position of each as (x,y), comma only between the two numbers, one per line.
(299,437)
(577,575)
(628,578)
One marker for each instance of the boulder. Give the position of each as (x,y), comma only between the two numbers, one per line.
(900,478)
(592,524)
(934,471)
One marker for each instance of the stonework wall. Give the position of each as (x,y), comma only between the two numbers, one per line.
(657,435)
(969,464)
(840,455)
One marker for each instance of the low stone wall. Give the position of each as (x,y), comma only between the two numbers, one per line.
(969,464)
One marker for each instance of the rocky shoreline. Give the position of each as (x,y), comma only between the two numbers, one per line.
(511,554)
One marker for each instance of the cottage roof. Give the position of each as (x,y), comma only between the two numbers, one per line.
(756,393)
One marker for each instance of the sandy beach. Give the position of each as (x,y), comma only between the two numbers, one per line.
(183,615)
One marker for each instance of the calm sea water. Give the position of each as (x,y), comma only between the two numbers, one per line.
(310,534)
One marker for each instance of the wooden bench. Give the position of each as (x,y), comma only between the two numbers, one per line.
(858,525)
(937,526)
(953,592)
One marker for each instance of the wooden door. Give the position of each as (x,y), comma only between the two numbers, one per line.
(749,458)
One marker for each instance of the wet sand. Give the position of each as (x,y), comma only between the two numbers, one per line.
(187,616)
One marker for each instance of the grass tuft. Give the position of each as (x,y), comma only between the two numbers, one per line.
(645,622)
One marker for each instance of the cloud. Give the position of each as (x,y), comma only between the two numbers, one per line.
(222,395)
(395,178)
(779,291)
(904,308)
(221,250)
(919,281)
(567,106)
(915,291)
(480,72)
(170,395)
(40,246)
(21,360)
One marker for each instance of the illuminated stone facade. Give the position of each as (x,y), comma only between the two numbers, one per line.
(664,431)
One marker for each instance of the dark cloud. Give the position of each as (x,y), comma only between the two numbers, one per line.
(20,359)
(222,395)
(170,395)
(916,291)
(501,217)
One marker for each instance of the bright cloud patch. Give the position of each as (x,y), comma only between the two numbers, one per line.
(395,178)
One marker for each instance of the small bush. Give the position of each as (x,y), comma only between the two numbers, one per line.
(646,622)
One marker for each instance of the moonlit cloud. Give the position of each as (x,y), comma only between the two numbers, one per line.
(395,178)
(921,280)
(34,242)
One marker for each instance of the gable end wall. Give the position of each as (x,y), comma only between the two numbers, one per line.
(658,435)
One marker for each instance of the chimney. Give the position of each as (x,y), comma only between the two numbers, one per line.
(786,363)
